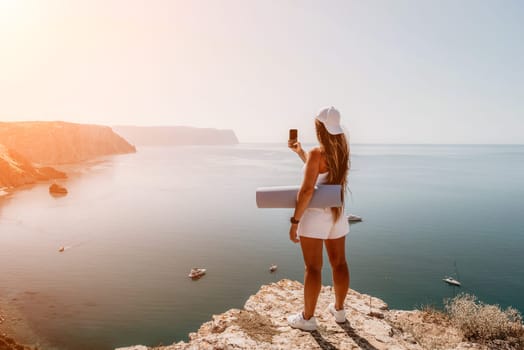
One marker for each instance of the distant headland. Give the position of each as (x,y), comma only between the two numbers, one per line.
(62,142)
(175,135)
(29,149)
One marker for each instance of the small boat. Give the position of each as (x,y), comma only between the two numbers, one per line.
(197,272)
(451,281)
(61,249)
(354,218)
(273,268)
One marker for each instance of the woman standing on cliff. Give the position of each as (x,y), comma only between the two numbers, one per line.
(313,227)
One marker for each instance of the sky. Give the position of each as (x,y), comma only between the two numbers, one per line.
(399,71)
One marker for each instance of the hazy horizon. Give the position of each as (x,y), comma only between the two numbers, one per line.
(309,141)
(406,72)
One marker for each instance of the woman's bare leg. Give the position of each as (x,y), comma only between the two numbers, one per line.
(312,252)
(336,249)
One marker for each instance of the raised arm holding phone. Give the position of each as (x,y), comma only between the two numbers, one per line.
(295,145)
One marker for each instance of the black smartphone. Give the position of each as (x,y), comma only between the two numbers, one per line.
(293,135)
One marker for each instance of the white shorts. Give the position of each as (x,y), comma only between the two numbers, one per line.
(318,223)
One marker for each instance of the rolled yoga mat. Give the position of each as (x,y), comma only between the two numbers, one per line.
(286,196)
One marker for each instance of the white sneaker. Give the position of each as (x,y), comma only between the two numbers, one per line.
(298,321)
(340,315)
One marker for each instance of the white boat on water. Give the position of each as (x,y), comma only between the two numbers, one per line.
(273,268)
(197,272)
(451,281)
(354,218)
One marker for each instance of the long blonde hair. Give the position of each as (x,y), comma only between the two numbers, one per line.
(336,150)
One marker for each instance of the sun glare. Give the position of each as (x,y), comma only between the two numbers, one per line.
(8,7)
(12,13)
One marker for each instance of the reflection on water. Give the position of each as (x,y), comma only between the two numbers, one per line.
(135,224)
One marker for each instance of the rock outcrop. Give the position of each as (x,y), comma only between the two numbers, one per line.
(176,135)
(16,170)
(61,142)
(56,189)
(370,325)
(7,343)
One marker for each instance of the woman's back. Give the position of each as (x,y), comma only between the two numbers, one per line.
(322,178)
(323,170)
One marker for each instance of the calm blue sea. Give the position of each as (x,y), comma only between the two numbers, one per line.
(133,226)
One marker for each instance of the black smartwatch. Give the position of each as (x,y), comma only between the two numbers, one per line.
(293,220)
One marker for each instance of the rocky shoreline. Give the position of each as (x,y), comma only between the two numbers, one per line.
(29,149)
(7,343)
(17,171)
(13,326)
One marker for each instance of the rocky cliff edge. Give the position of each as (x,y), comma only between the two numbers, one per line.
(370,325)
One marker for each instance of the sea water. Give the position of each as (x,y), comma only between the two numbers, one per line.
(133,226)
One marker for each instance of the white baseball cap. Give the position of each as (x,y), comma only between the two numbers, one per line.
(330,117)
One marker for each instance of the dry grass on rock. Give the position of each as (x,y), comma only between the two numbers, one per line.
(256,326)
(485,323)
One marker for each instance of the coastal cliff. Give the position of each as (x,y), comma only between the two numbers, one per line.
(16,170)
(176,135)
(370,325)
(61,142)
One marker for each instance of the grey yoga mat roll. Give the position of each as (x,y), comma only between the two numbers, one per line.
(286,196)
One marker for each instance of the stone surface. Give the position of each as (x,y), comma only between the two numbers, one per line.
(57,189)
(370,325)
